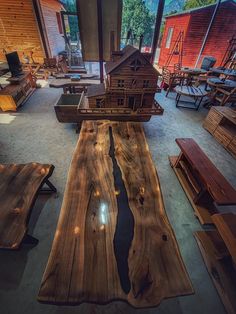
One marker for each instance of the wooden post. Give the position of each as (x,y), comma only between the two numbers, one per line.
(100,38)
(159,15)
(42,28)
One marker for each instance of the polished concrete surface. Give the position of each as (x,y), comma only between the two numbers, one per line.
(33,134)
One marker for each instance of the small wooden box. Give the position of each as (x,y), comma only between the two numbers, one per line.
(66,107)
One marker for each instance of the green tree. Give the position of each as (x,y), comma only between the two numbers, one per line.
(137,18)
(70,6)
(190,4)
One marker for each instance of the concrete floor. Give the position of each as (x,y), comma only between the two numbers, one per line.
(33,134)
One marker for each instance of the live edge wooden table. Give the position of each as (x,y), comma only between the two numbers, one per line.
(202,182)
(19,186)
(113,240)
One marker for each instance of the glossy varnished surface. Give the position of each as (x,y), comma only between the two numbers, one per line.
(113,239)
(19,185)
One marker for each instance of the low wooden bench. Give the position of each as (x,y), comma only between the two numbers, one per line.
(203,183)
(218,248)
(19,187)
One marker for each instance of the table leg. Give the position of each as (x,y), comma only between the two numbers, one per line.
(177,99)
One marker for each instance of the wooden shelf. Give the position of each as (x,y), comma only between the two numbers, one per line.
(17,92)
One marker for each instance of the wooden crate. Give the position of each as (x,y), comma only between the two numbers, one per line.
(212,120)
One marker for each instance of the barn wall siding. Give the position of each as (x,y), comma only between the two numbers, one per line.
(179,24)
(18,29)
(56,41)
(223,29)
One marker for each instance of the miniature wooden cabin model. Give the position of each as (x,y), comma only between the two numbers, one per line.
(131,82)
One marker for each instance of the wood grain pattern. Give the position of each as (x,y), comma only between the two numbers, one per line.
(220,266)
(218,187)
(226,225)
(113,240)
(19,185)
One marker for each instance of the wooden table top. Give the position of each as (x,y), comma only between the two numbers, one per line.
(113,240)
(59,83)
(219,188)
(19,185)
(191,91)
(226,72)
(194,71)
(217,82)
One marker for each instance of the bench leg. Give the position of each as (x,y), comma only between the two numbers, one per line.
(51,188)
(30,240)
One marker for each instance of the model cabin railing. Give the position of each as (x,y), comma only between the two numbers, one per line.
(156,109)
(139,90)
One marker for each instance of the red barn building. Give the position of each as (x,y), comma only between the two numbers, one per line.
(194,24)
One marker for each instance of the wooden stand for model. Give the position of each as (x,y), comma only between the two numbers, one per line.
(128,93)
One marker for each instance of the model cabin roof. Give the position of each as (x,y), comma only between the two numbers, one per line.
(125,54)
(96,90)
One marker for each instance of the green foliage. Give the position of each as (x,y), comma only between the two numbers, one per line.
(70,5)
(191,4)
(138,18)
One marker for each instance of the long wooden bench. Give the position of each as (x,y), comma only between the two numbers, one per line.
(203,183)
(19,187)
(218,248)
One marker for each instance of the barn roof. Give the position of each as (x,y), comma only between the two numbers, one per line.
(126,52)
(201,8)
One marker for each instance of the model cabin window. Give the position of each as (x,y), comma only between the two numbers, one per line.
(145,83)
(120,102)
(169,37)
(121,83)
(134,82)
(99,102)
(135,65)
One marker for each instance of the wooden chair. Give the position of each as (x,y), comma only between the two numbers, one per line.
(65,69)
(50,66)
(172,79)
(223,96)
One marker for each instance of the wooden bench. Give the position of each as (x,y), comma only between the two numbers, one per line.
(19,187)
(203,183)
(218,248)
